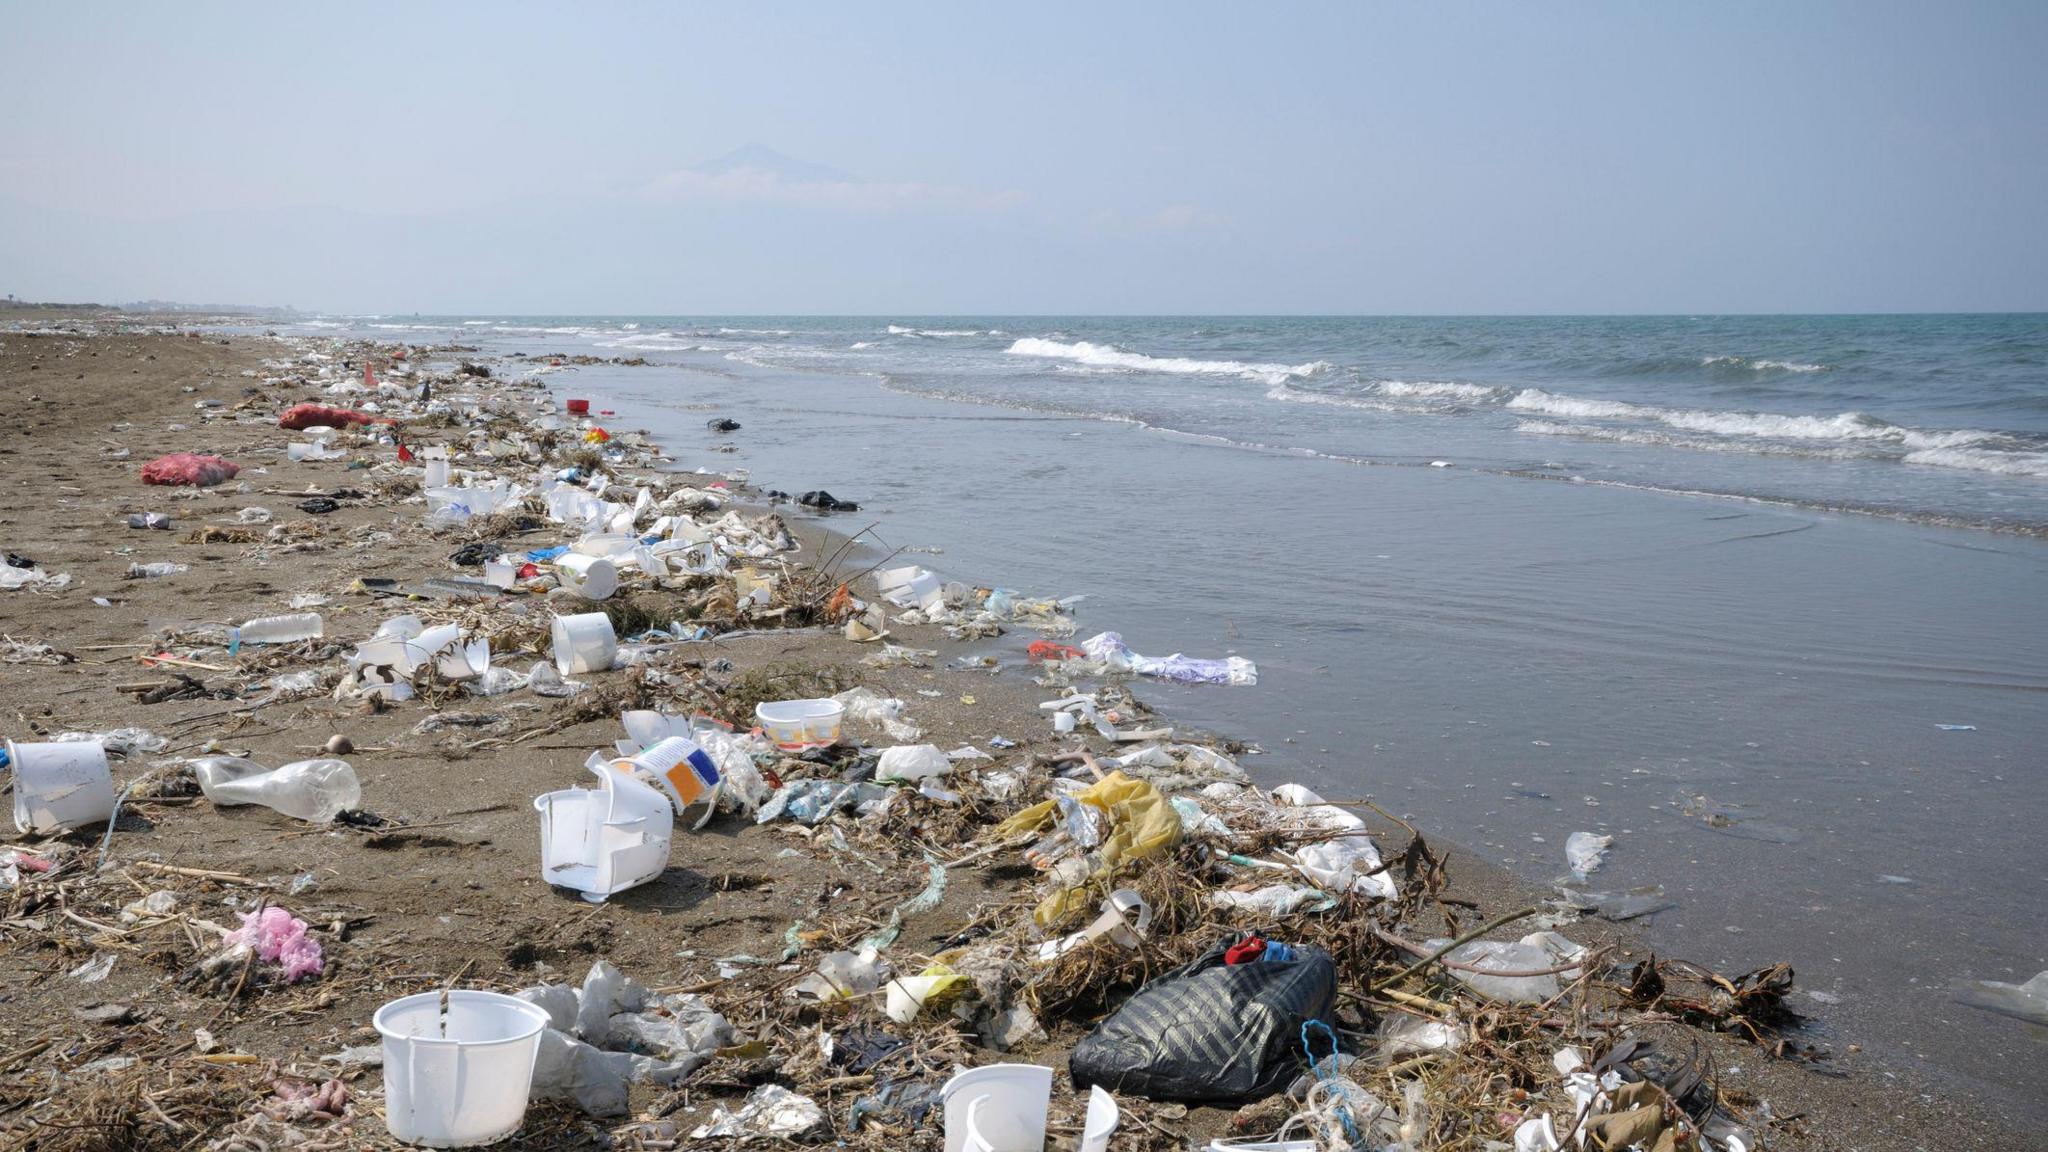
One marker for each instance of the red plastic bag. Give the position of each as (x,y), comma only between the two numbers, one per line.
(190,469)
(1039,650)
(300,417)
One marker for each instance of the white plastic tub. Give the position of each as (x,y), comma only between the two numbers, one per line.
(797,725)
(457,1079)
(603,841)
(60,786)
(997,1106)
(584,643)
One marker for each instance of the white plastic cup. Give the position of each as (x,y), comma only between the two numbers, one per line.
(437,473)
(503,573)
(600,842)
(60,786)
(460,1079)
(591,577)
(584,643)
(465,661)
(684,769)
(1005,1102)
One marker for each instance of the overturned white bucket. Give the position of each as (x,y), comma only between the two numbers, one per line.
(60,786)
(605,840)
(457,1077)
(591,577)
(584,643)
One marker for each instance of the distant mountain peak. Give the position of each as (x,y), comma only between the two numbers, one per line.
(755,157)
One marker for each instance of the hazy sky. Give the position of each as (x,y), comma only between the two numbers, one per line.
(1525,157)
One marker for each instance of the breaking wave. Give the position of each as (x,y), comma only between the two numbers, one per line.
(900,330)
(1842,426)
(1761,365)
(1109,356)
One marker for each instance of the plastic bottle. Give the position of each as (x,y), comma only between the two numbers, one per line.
(314,790)
(280,629)
(160,568)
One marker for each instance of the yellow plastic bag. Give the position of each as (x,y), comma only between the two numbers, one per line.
(1142,824)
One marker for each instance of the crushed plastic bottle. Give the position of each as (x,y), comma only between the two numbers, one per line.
(279,629)
(150,571)
(311,790)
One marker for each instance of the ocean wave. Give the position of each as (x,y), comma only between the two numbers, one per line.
(2008,463)
(1761,365)
(900,330)
(1768,425)
(1431,389)
(1653,437)
(858,344)
(1109,356)
(1290,395)
(658,342)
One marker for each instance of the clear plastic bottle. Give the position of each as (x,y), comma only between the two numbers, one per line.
(160,568)
(314,790)
(279,629)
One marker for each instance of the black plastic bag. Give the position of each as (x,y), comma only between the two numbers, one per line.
(1211,1032)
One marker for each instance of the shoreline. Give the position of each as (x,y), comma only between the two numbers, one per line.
(473,853)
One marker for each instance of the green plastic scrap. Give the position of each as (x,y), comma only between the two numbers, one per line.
(926,900)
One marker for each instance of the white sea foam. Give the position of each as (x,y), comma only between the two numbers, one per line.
(900,330)
(1283,392)
(862,344)
(1109,356)
(1983,460)
(1769,425)
(1763,365)
(1432,389)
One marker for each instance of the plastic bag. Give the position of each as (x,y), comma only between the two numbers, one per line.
(189,468)
(1212,1032)
(300,417)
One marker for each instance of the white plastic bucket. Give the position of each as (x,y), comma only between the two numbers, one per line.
(607,840)
(503,573)
(591,577)
(797,725)
(584,643)
(60,786)
(1103,1118)
(459,501)
(460,1079)
(1007,1100)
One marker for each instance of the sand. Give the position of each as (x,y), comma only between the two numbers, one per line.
(449,889)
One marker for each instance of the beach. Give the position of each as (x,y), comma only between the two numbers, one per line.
(444,886)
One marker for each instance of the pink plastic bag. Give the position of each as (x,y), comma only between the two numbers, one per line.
(280,938)
(190,469)
(300,417)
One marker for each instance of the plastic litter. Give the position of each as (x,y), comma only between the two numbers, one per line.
(2027,1001)
(190,469)
(604,841)
(312,790)
(911,762)
(770,1111)
(1111,649)
(60,786)
(1211,1031)
(278,937)
(1584,851)
(458,1066)
(1534,952)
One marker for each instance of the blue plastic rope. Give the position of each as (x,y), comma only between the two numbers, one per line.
(1329,1073)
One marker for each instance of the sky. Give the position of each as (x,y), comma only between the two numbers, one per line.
(1043,158)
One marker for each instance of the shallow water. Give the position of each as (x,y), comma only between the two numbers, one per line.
(1746,695)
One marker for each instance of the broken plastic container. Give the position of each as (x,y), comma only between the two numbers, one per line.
(997,1108)
(584,643)
(311,790)
(459,1075)
(684,770)
(797,725)
(605,840)
(60,786)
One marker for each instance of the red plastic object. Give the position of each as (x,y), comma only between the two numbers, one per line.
(189,469)
(1248,949)
(579,407)
(1039,650)
(300,417)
